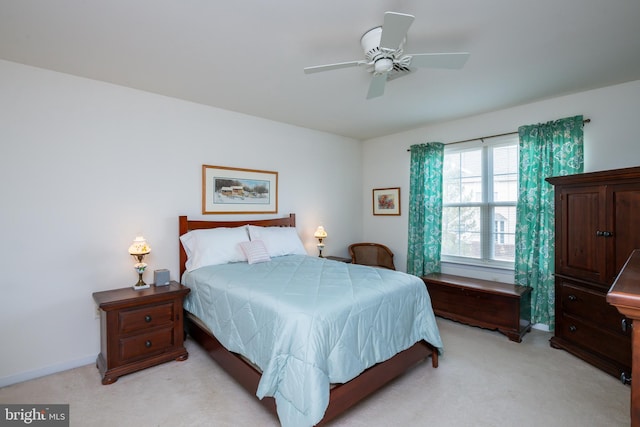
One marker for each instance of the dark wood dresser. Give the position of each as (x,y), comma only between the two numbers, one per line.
(597,228)
(139,329)
(625,296)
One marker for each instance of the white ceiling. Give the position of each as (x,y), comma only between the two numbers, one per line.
(248,55)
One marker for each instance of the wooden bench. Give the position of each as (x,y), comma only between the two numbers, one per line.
(494,305)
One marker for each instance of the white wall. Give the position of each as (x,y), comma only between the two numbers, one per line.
(85,166)
(610,142)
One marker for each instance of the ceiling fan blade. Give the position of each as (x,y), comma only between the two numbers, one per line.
(328,67)
(439,60)
(376,87)
(394,29)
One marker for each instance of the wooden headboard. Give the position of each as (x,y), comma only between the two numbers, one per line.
(186,225)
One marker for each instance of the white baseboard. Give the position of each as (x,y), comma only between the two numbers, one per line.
(30,375)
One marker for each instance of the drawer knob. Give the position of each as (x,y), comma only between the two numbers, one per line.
(573,298)
(572,328)
(625,380)
(147,318)
(147,344)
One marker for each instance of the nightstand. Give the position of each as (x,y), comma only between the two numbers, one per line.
(341,259)
(139,329)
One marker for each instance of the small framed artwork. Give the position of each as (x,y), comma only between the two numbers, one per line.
(386,201)
(238,191)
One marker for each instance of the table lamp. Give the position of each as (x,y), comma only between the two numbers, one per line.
(138,250)
(320,234)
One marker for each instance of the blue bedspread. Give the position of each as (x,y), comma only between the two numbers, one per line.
(307,322)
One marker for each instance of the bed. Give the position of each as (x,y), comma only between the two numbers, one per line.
(307,370)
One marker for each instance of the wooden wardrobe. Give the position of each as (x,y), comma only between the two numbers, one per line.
(597,222)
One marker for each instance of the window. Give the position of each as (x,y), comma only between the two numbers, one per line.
(480,192)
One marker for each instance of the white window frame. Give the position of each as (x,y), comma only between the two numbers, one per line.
(486,206)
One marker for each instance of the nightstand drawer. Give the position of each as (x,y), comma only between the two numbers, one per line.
(143,345)
(145,317)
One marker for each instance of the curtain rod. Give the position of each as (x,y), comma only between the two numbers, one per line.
(482,138)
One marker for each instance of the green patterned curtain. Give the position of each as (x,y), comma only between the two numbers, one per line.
(549,149)
(425,208)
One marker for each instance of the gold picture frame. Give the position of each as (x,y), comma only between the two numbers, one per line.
(386,201)
(227,190)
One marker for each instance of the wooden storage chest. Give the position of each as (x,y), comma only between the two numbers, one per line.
(494,305)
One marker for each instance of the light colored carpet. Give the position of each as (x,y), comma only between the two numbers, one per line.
(483,380)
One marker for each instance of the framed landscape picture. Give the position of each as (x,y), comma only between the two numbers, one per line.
(386,201)
(238,191)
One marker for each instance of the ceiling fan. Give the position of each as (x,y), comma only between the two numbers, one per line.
(385,57)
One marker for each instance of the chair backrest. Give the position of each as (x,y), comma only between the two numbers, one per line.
(373,254)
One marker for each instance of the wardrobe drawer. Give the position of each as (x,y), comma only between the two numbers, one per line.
(598,340)
(591,306)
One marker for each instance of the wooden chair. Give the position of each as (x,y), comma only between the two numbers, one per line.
(373,254)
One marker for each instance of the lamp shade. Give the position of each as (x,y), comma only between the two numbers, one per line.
(139,246)
(320,233)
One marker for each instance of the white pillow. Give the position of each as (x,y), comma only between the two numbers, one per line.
(255,251)
(214,246)
(278,240)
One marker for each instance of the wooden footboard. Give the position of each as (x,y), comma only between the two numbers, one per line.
(342,396)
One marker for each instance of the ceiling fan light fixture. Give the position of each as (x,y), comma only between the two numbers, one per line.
(383,65)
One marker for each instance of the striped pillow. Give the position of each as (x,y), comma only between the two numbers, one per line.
(255,251)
